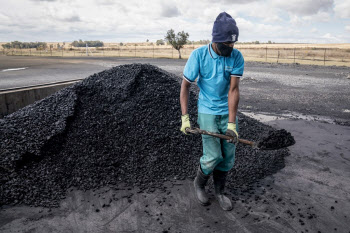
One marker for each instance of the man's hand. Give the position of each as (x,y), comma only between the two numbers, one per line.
(232,132)
(185,123)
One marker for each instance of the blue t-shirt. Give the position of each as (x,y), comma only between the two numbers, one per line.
(214,75)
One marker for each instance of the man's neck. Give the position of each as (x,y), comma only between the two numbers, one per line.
(215,48)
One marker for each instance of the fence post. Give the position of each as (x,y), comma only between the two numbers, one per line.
(294,55)
(30,52)
(62,52)
(278,55)
(172,52)
(324,57)
(153,50)
(266,55)
(40,52)
(135,50)
(21,51)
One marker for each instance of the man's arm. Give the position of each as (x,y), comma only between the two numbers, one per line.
(233,99)
(184,93)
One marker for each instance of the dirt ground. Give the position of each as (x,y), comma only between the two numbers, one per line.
(311,194)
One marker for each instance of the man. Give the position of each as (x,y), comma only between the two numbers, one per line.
(218,67)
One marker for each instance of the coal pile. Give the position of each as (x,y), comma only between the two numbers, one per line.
(116,127)
(276,139)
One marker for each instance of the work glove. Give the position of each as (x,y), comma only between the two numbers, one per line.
(232,132)
(185,123)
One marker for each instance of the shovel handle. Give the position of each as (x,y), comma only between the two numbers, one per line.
(200,131)
(247,142)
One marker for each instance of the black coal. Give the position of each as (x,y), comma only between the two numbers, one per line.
(276,139)
(117,127)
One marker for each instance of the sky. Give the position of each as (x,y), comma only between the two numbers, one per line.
(280,21)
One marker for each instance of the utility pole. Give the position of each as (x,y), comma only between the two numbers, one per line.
(87,54)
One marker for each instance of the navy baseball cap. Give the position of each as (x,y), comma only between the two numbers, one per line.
(225,29)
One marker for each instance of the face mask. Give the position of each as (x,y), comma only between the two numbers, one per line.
(224,50)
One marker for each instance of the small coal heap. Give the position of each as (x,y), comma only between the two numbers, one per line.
(116,127)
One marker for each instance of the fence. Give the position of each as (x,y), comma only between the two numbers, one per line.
(309,55)
(314,56)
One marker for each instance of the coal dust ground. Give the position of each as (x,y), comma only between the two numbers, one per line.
(310,194)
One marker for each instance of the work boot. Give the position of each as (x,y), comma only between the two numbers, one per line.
(199,185)
(219,178)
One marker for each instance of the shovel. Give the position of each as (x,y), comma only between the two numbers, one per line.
(264,144)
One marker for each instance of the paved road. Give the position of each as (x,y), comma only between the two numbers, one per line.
(310,92)
(38,70)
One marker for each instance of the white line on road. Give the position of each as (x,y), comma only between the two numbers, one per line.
(13,69)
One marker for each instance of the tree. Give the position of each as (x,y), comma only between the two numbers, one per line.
(6,46)
(177,41)
(200,42)
(89,43)
(24,45)
(160,42)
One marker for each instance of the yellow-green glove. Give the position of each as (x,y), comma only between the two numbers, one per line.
(185,123)
(232,132)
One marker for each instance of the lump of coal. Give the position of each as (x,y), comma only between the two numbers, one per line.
(116,127)
(276,139)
